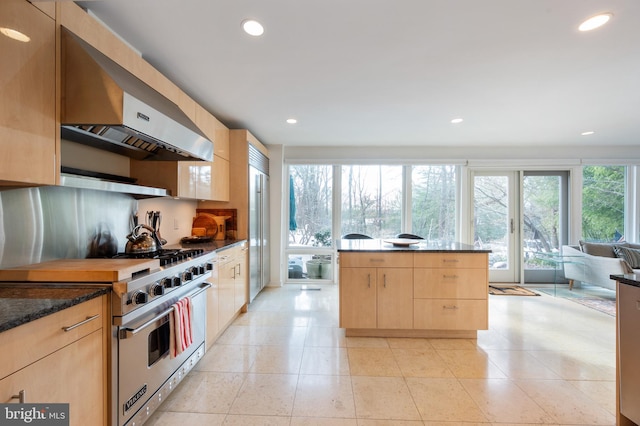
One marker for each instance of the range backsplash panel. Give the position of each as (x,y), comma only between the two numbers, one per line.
(46,223)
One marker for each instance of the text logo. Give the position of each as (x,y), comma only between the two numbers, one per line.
(34,414)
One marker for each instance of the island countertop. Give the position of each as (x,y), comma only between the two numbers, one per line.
(423,246)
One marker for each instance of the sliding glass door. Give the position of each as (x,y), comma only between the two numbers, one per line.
(494,206)
(522,217)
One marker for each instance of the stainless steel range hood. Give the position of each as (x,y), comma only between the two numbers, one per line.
(105,106)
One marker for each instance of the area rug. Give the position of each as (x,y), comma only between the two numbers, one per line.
(603,305)
(511,290)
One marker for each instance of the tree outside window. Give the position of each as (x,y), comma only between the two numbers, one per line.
(603,201)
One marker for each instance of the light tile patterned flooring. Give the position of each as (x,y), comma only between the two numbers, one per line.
(544,360)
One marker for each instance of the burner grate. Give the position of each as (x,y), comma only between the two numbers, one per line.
(165,256)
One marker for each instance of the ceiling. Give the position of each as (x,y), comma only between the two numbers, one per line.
(396,72)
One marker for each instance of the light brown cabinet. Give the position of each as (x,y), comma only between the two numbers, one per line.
(28,124)
(375,294)
(233,283)
(451,291)
(64,367)
(413,294)
(213,299)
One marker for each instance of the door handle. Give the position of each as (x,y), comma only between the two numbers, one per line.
(513,226)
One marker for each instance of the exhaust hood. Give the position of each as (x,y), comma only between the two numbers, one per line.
(105,106)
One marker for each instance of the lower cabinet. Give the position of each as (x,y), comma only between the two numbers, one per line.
(231,287)
(64,367)
(374,295)
(413,294)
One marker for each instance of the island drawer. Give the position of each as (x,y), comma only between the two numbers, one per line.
(450,260)
(376,260)
(450,283)
(450,314)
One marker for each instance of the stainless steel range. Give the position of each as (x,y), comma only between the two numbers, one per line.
(143,371)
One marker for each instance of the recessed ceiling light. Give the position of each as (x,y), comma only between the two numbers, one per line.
(15,34)
(292,120)
(587,133)
(456,120)
(595,22)
(252,27)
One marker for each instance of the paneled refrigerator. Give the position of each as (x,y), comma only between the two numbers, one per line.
(259,271)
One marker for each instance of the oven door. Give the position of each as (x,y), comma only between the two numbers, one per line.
(144,362)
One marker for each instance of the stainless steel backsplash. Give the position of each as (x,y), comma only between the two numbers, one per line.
(46,223)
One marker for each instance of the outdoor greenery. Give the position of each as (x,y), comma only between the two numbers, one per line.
(603,190)
(372,204)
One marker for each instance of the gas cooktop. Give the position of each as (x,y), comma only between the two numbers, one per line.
(165,256)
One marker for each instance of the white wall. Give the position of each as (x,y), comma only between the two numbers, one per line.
(177,216)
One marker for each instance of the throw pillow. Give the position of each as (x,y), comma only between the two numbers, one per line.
(600,249)
(632,256)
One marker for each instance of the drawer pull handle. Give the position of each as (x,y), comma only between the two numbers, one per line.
(71,327)
(449,307)
(21,396)
(450,260)
(384,279)
(451,277)
(369,279)
(376,260)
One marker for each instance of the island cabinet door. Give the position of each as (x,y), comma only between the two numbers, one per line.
(358,298)
(395,298)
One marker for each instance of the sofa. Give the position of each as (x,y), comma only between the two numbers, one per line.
(593,263)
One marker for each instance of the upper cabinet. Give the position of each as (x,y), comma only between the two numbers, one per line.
(28,124)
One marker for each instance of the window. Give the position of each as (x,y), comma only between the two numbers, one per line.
(433,202)
(310,222)
(603,201)
(371,200)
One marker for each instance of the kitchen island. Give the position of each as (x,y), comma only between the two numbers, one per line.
(414,288)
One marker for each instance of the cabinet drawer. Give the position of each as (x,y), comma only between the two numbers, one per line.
(447,283)
(450,314)
(451,260)
(375,260)
(32,341)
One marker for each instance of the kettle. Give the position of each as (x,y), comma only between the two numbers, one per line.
(141,241)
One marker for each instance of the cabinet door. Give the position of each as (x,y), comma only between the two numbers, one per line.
(395,298)
(213,300)
(70,375)
(27,110)
(358,298)
(226,294)
(220,179)
(241,283)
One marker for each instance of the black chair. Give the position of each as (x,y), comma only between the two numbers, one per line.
(356,237)
(409,236)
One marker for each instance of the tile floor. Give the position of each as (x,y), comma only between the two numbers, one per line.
(544,360)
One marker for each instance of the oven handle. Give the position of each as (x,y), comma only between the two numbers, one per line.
(130,332)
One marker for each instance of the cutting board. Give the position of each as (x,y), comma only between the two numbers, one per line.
(79,270)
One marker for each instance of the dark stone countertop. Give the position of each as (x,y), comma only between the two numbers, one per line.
(629,279)
(21,304)
(424,246)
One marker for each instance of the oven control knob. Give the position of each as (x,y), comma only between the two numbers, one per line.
(177,281)
(187,276)
(195,271)
(209,266)
(166,282)
(139,298)
(156,290)
(201,270)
